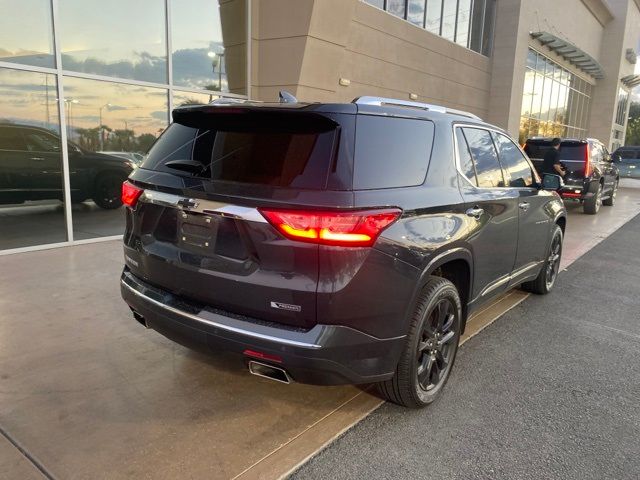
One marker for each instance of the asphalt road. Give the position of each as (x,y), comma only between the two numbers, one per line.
(550,390)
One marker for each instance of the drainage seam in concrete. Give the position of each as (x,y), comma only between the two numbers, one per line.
(31,459)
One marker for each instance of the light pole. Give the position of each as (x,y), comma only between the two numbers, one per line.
(69,102)
(217,59)
(101,130)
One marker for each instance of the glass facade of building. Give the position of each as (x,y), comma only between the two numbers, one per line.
(621,108)
(467,22)
(555,102)
(86,89)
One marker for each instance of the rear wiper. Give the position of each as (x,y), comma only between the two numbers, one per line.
(191,166)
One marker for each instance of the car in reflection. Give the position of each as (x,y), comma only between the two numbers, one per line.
(627,159)
(133,156)
(31,169)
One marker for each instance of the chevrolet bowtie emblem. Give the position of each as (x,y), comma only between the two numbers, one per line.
(187,203)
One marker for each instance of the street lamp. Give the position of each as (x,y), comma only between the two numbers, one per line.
(107,105)
(217,59)
(69,102)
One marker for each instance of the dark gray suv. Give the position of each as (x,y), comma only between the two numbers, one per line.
(334,243)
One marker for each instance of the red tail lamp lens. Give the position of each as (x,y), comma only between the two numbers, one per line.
(130,194)
(587,161)
(347,229)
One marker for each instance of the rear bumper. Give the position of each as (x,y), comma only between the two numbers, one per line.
(325,354)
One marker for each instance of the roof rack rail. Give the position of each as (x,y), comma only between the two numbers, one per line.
(380,101)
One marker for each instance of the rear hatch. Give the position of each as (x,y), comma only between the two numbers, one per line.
(574,155)
(196,231)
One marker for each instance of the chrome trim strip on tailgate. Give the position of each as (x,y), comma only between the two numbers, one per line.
(198,205)
(221,326)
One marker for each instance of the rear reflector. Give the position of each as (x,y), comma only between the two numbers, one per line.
(130,194)
(262,356)
(347,229)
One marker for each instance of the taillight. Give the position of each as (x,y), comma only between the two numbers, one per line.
(130,194)
(587,161)
(347,229)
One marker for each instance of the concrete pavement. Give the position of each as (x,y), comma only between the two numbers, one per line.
(86,392)
(550,390)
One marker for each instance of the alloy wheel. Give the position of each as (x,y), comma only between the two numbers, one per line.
(553,261)
(436,347)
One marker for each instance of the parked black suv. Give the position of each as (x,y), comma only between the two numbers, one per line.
(31,169)
(334,243)
(591,176)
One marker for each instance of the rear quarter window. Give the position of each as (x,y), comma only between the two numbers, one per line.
(391,152)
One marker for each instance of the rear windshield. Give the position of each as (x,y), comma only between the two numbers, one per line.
(391,152)
(568,151)
(271,150)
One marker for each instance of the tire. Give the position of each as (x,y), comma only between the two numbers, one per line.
(611,201)
(547,277)
(429,353)
(107,191)
(592,204)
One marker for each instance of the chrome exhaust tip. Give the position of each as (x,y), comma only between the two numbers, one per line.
(139,318)
(269,371)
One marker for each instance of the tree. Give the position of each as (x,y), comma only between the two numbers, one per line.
(145,141)
(633,131)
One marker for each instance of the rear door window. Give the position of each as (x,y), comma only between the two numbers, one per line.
(485,157)
(265,150)
(515,165)
(391,152)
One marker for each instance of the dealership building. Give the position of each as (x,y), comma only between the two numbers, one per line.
(79,77)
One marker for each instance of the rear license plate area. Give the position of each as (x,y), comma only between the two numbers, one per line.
(197,231)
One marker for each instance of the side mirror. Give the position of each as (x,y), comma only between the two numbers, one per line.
(607,157)
(615,158)
(552,182)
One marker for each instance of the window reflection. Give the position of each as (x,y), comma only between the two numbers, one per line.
(555,102)
(181,99)
(462,28)
(97,37)
(31,186)
(485,158)
(110,127)
(449,19)
(466,22)
(415,13)
(209,49)
(434,15)
(33,16)
(396,7)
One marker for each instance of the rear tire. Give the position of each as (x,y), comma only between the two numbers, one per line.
(592,204)
(430,349)
(611,201)
(546,279)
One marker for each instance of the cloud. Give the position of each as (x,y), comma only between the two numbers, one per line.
(159,115)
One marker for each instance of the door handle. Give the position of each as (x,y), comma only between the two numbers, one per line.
(524,206)
(37,159)
(475,212)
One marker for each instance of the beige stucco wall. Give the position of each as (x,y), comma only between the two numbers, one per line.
(307,46)
(321,41)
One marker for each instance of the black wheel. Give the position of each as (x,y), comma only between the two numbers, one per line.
(546,279)
(592,204)
(611,201)
(430,351)
(108,190)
